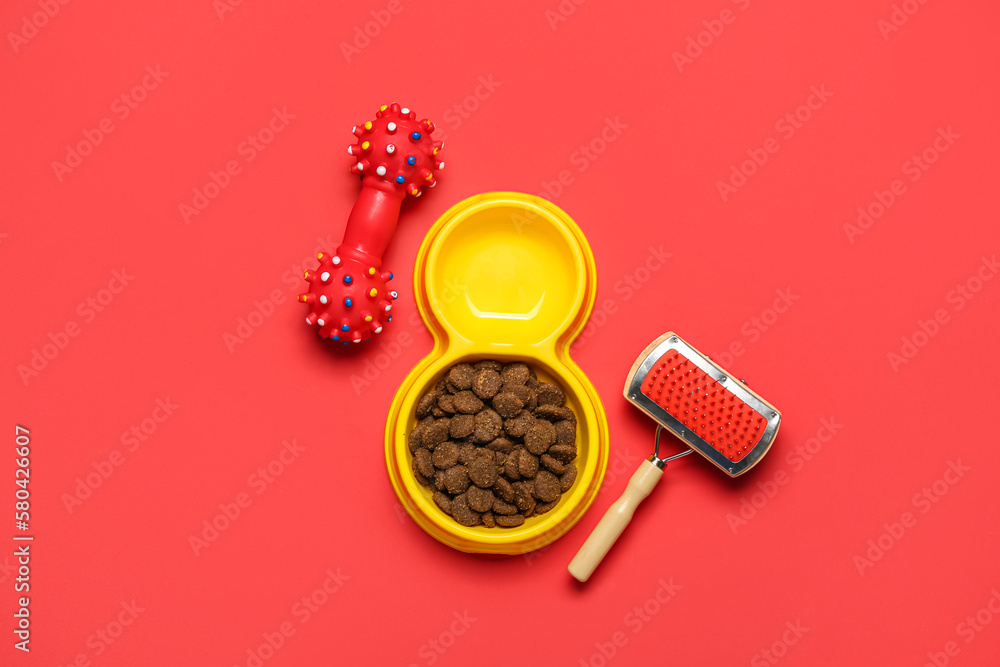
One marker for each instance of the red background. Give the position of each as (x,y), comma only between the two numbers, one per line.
(554,84)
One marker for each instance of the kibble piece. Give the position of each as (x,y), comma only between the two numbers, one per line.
(554,413)
(445,455)
(552,464)
(421,479)
(567,478)
(426,402)
(527,464)
(503,490)
(467,403)
(480,499)
(547,487)
(507,404)
(439,480)
(550,394)
(461,376)
(565,432)
(488,364)
(503,507)
(486,384)
(510,521)
(416,438)
(438,412)
(483,471)
(564,453)
(461,426)
(422,463)
(542,508)
(466,453)
(522,393)
(510,470)
(519,426)
(501,459)
(488,520)
(523,498)
(436,433)
(501,445)
(488,426)
(447,403)
(456,479)
(462,512)
(443,501)
(515,373)
(540,437)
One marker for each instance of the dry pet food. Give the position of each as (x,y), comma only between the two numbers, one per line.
(494,444)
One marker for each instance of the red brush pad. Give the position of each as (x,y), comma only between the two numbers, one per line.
(704,406)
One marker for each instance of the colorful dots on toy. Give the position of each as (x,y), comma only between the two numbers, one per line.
(390,128)
(325,276)
(322,299)
(368,125)
(373,292)
(380,171)
(415,136)
(347,280)
(390,149)
(335,260)
(371,270)
(411,160)
(400,178)
(348,302)
(345,327)
(394,294)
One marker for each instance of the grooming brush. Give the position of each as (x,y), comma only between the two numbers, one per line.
(394,155)
(691,396)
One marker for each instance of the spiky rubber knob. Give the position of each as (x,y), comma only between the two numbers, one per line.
(348,298)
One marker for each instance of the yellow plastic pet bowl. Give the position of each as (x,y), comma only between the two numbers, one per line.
(503,276)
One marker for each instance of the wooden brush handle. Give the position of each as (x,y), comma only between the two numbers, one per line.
(614,521)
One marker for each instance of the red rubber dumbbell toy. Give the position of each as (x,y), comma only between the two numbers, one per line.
(394,155)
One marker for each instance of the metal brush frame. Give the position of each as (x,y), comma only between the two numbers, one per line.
(732,468)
